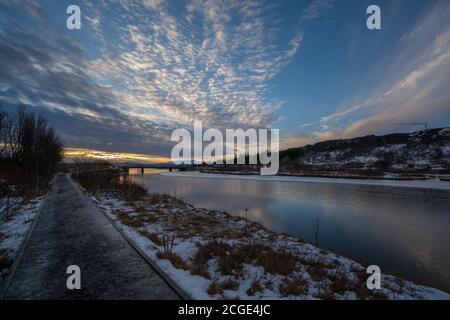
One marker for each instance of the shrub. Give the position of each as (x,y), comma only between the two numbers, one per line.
(295,287)
(152,236)
(255,287)
(230,260)
(230,284)
(5,262)
(175,259)
(214,288)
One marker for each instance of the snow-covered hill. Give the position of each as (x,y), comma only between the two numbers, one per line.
(427,151)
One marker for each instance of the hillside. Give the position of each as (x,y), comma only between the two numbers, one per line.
(418,152)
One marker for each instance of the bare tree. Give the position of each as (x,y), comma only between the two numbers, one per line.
(27,141)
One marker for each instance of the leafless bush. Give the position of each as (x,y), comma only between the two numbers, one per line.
(99,176)
(128,190)
(8,204)
(5,262)
(255,286)
(295,287)
(168,241)
(154,237)
(230,284)
(94,175)
(214,288)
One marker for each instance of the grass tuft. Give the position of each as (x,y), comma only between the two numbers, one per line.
(293,287)
(175,259)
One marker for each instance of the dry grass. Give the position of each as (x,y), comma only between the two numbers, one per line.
(295,287)
(326,294)
(133,222)
(5,262)
(199,270)
(361,290)
(215,288)
(231,264)
(99,176)
(163,198)
(273,261)
(317,267)
(213,249)
(278,262)
(231,259)
(154,237)
(175,259)
(363,293)
(141,210)
(230,284)
(255,287)
(340,283)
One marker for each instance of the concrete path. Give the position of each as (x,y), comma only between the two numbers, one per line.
(71,231)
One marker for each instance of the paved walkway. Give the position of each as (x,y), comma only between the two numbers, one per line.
(71,231)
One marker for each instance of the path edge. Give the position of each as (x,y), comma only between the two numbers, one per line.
(172,284)
(4,287)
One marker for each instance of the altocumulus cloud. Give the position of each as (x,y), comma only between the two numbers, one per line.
(139,69)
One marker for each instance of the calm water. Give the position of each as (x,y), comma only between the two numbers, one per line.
(405,231)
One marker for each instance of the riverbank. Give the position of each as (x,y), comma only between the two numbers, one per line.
(14,229)
(213,255)
(424,184)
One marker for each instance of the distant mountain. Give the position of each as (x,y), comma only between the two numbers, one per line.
(427,151)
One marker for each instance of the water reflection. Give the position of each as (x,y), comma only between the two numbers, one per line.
(403,230)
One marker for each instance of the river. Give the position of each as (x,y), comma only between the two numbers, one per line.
(405,231)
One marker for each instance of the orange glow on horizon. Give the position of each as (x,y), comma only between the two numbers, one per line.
(71,154)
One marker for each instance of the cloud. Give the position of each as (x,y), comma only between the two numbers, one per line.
(218,73)
(72,154)
(153,4)
(414,87)
(316,9)
(53,79)
(139,69)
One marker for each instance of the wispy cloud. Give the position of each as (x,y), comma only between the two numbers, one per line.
(414,87)
(316,9)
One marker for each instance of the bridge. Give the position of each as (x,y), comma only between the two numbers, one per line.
(141,167)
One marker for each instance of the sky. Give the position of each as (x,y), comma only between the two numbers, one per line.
(137,70)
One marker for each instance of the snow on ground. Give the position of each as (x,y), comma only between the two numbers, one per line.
(14,229)
(425,184)
(213,255)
